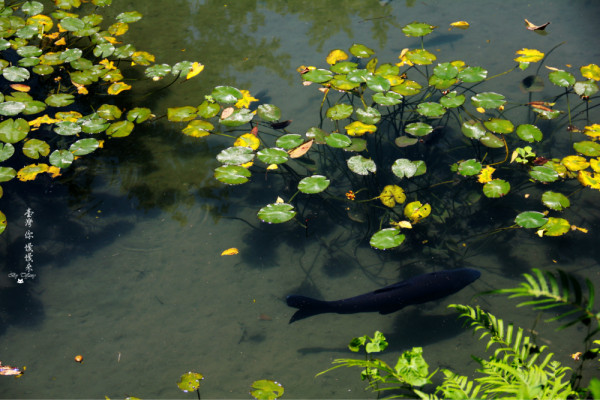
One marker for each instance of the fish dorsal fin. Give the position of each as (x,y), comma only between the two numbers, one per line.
(395,286)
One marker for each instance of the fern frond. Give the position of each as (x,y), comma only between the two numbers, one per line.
(458,387)
(548,293)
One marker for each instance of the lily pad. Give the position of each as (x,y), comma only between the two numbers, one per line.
(473,129)
(318,75)
(531,219)
(226,94)
(361,165)
(431,110)
(313,184)
(378,83)
(13,131)
(543,173)
(208,109)
(7,173)
(34,148)
(387,99)
(369,115)
(338,140)
(387,239)
(361,51)
(269,112)
(238,117)
(339,111)
(289,141)
(499,125)
(452,100)
(84,146)
(587,148)
(9,108)
(404,168)
(419,129)
(15,74)
(472,74)
(276,213)
(492,141)
(555,201)
(469,167)
(405,141)
(236,155)
(496,188)
(556,227)
(488,100)
(272,156)
(445,71)
(61,158)
(417,29)
(529,133)
(190,382)
(232,174)
(266,390)
(6,151)
(562,78)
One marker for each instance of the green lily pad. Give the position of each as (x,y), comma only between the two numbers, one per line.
(387,70)
(318,75)
(496,188)
(269,112)
(139,114)
(120,129)
(29,51)
(208,109)
(369,115)
(313,184)
(357,145)
(387,239)
(531,219)
(556,227)
(419,129)
(190,382)
(72,24)
(157,71)
(10,108)
(431,110)
(492,141)
(473,129)
(60,100)
(445,71)
(562,78)
(289,141)
(317,134)
(361,165)
(182,114)
(387,99)
(71,55)
(340,82)
(343,67)
(276,213)
(469,167)
(587,148)
(441,84)
(84,146)
(32,7)
(587,88)
(266,390)
(405,141)
(226,94)
(417,29)
(61,158)
(499,125)
(378,83)
(7,173)
(358,76)
(67,128)
(238,117)
(407,88)
(403,167)
(452,100)
(420,57)
(338,140)
(13,131)
(104,50)
(544,173)
(232,174)
(109,111)
(15,74)
(488,100)
(339,111)
(129,17)
(6,151)
(272,156)
(361,51)
(34,148)
(236,155)
(3,222)
(472,74)
(94,124)
(555,201)
(34,107)
(529,133)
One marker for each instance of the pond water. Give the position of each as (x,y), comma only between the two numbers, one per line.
(127,244)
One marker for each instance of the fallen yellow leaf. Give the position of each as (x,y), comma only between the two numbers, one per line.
(230,252)
(196,69)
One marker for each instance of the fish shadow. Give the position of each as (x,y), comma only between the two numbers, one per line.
(417,328)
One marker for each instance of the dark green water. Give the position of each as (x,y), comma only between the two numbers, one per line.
(127,257)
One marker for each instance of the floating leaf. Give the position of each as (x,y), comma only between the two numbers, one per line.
(277,213)
(415,211)
(13,131)
(387,239)
(59,100)
(473,129)
(405,141)
(343,67)
(431,110)
(378,83)
(7,173)
(232,174)
(368,116)
(417,29)
(499,125)
(387,99)
(272,156)
(358,128)
(339,111)
(139,114)
(313,184)
(469,167)
(420,57)
(587,88)
(361,165)
(335,56)
(556,227)
(529,133)
(587,148)
(266,390)
(589,179)
(61,158)
(120,129)
(419,129)
(591,71)
(575,163)
(237,117)
(529,55)
(289,141)
(488,100)
(226,94)
(543,173)
(181,114)
(34,148)
(472,74)
(247,140)
(84,146)
(403,167)
(9,108)
(460,24)
(492,141)
(230,252)
(302,149)
(531,219)
(338,140)
(452,100)
(392,194)
(190,382)
(15,74)
(496,188)
(269,112)
(235,155)
(6,151)
(561,78)
(318,75)
(2,222)
(555,201)
(361,51)
(30,172)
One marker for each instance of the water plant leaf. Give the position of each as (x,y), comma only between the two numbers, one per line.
(272,156)
(529,133)
(361,165)
(587,148)
(361,51)
(413,368)
(416,211)
(417,29)
(276,213)
(34,148)
(61,158)
(246,140)
(392,195)
(472,74)
(591,71)
(235,155)
(232,174)
(387,239)
(302,149)
(182,114)
(387,99)
(7,173)
(13,131)
(488,100)
(555,201)
(531,219)
(318,75)
(3,222)
(418,129)
(445,71)
(120,129)
(344,67)
(265,389)
(84,146)
(209,109)
(543,173)
(269,112)
(575,163)
(592,131)
(405,141)
(336,55)
(67,128)
(561,78)
(10,108)
(528,55)
(226,94)
(556,227)
(368,116)
(420,57)
(190,381)
(469,167)
(407,88)
(452,100)
(378,83)
(289,141)
(587,88)
(431,109)
(499,125)
(403,167)
(230,252)
(6,151)
(358,128)
(589,179)
(496,188)
(339,111)
(338,140)
(473,129)
(15,74)
(238,117)
(313,184)
(139,114)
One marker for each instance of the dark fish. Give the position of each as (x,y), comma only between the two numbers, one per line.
(416,290)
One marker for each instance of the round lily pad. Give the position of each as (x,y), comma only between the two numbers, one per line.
(313,184)
(473,129)
(238,117)
(419,129)
(469,167)
(452,100)
(13,131)
(472,74)
(369,115)
(387,239)
(555,201)
(405,141)
(556,227)
(7,173)
(190,382)
(84,146)
(361,165)
(276,213)
(492,141)
(496,188)
(387,99)
(318,75)
(543,173)
(269,112)
(232,174)
(361,51)
(338,140)
(529,133)
(236,155)
(488,100)
(562,78)
(226,94)
(445,71)
(531,219)
(499,125)
(265,389)
(6,151)
(289,141)
(587,148)
(339,111)
(272,156)
(417,29)
(403,167)
(61,158)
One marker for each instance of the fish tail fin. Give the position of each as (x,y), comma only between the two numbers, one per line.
(307,307)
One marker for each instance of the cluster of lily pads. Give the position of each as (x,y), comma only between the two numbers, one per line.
(57,70)
(375,112)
